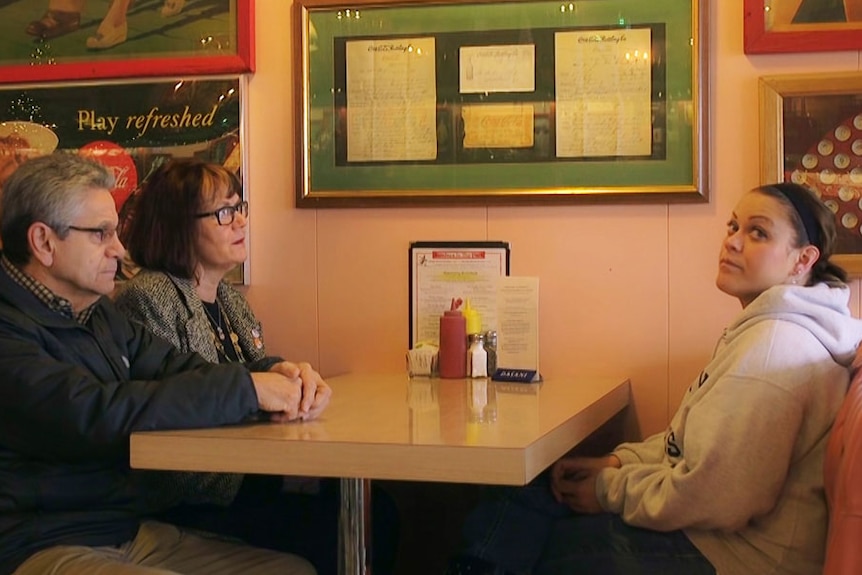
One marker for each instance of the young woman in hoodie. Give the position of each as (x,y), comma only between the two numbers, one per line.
(734,485)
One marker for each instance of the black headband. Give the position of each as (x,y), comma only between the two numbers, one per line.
(795,195)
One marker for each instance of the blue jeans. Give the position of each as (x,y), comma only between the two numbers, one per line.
(604,544)
(524,530)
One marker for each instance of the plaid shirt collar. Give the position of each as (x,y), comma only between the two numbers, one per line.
(53,301)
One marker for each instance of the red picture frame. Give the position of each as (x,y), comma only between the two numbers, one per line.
(237,59)
(813,37)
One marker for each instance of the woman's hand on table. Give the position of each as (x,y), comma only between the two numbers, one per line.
(277,394)
(315,392)
(573,481)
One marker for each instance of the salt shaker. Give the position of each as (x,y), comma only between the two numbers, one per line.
(477,357)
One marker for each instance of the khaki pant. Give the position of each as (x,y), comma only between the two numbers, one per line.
(162,549)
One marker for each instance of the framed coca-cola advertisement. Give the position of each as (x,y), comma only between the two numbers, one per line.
(131,127)
(778,26)
(48,40)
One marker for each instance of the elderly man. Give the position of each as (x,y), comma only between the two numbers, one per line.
(78,378)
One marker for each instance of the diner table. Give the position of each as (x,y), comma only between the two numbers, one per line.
(391,426)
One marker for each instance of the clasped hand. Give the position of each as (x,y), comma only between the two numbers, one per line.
(573,481)
(291,391)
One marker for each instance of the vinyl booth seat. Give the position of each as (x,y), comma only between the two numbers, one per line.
(843,481)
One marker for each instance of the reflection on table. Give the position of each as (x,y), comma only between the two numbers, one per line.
(392,427)
(472,409)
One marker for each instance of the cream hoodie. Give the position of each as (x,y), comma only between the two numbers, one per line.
(740,469)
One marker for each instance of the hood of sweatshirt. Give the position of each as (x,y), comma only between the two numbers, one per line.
(820,309)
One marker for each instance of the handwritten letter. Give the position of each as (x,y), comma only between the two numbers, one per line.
(603,93)
(497,68)
(391,100)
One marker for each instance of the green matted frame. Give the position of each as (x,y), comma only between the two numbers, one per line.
(524,168)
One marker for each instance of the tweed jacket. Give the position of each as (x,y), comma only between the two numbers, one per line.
(169,307)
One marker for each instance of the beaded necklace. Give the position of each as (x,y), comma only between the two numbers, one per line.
(216,320)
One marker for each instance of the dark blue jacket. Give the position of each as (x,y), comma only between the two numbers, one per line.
(70,395)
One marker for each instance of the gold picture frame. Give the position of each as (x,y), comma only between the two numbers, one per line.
(811,133)
(499,102)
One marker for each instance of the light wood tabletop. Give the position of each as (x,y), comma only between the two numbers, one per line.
(394,427)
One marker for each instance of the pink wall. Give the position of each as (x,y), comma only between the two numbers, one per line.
(625,290)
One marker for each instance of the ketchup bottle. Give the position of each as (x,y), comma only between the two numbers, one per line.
(452,357)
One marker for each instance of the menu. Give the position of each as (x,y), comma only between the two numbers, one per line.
(518,329)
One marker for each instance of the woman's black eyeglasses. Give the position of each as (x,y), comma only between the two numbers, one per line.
(226,215)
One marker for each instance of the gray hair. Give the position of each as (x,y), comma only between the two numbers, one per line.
(47,189)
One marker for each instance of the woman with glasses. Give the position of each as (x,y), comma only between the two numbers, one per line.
(186,231)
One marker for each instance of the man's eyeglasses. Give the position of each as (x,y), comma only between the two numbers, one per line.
(104,235)
(226,215)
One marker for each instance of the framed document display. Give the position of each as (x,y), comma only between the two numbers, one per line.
(441,272)
(409,103)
